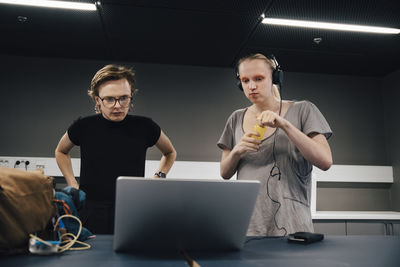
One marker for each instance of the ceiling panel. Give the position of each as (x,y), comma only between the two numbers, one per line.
(222,6)
(51,32)
(362,53)
(208,33)
(178,33)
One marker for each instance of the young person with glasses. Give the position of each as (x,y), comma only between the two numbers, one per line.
(112,143)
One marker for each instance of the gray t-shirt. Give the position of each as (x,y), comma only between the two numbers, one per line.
(291,194)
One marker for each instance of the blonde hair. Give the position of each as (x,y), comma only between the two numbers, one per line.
(271,63)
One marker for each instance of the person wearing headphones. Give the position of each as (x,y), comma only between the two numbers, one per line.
(112,143)
(276,142)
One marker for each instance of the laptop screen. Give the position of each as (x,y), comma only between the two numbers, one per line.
(182,214)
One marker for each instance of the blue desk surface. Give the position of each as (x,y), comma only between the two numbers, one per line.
(332,251)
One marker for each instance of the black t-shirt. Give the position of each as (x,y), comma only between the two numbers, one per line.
(111,149)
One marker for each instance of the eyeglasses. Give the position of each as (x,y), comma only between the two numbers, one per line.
(110,102)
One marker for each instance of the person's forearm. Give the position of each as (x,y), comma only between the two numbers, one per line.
(166,162)
(315,152)
(228,165)
(65,165)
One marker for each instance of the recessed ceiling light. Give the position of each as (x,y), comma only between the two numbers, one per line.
(52,4)
(330,26)
(22,19)
(317,40)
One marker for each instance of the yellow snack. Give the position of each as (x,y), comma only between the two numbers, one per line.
(261,130)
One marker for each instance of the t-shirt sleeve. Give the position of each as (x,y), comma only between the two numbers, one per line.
(226,139)
(153,132)
(74,132)
(314,121)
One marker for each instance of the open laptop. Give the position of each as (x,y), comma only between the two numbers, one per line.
(182,214)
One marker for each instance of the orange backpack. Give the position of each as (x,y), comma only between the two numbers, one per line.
(26,207)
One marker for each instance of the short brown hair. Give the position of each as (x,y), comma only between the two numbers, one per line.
(111,72)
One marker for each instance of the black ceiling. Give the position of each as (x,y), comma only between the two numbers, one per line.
(209,33)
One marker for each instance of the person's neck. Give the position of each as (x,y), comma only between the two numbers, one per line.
(273,105)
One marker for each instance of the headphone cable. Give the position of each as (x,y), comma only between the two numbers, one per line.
(275,166)
(271,174)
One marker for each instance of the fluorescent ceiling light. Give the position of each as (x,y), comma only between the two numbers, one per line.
(53,4)
(330,26)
